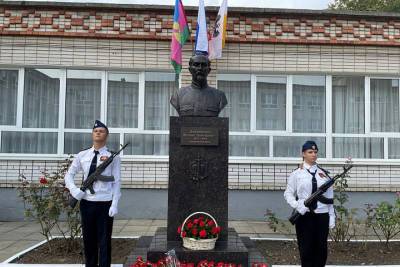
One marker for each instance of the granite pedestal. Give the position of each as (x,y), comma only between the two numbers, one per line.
(231,250)
(198,182)
(198,171)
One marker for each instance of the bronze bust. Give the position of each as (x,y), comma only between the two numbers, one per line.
(199,99)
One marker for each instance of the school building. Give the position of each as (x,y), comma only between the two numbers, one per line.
(289,76)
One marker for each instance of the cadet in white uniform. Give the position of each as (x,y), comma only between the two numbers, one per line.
(312,228)
(97,210)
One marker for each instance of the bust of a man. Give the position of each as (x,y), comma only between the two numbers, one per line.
(199,99)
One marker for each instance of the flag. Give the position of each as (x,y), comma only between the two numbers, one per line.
(217,41)
(201,31)
(180,34)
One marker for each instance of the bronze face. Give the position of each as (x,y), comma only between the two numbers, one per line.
(199,67)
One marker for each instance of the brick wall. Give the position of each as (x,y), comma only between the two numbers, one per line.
(155,23)
(258,42)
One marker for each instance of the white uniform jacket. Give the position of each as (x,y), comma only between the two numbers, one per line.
(104,191)
(300,185)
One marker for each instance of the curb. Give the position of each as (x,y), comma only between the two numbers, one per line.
(7,263)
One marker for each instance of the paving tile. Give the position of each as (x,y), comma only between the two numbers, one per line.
(238,224)
(131,233)
(139,222)
(135,228)
(262,229)
(244,230)
(158,222)
(21,245)
(5,244)
(120,222)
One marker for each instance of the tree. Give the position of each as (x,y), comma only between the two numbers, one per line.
(366,5)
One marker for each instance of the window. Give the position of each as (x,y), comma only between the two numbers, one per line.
(146,144)
(122,100)
(394,148)
(29,142)
(290,146)
(348,104)
(8,99)
(237,89)
(58,107)
(83,98)
(41,98)
(385,105)
(271,103)
(309,104)
(358,147)
(248,146)
(159,88)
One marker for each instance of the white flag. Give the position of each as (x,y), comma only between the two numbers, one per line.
(201,32)
(217,41)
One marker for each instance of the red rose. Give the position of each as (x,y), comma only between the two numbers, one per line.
(194,231)
(179,230)
(216,230)
(220,264)
(191,264)
(196,221)
(189,225)
(202,224)
(203,234)
(211,264)
(43,180)
(211,223)
(183,234)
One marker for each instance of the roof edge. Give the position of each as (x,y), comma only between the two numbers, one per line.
(243,10)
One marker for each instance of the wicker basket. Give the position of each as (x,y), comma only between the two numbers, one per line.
(199,244)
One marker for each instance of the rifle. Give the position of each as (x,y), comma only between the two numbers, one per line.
(96,176)
(322,189)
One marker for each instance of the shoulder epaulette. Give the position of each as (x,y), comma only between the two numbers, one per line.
(322,169)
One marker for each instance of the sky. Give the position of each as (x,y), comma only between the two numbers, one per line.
(295,4)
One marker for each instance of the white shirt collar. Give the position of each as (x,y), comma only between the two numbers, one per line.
(101,150)
(310,167)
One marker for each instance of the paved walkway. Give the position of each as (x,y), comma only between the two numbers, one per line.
(18,236)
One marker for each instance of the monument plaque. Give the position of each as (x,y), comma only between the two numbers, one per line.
(199,136)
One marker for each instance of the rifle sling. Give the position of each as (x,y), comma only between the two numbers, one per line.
(325,200)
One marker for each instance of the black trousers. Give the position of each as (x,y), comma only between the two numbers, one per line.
(97,231)
(312,231)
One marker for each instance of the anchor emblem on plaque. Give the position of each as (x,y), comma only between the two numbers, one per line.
(198,169)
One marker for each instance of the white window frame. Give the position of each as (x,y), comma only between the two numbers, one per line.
(328,135)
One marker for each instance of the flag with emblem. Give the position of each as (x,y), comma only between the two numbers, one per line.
(180,34)
(217,41)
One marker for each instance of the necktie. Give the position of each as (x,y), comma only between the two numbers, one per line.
(93,165)
(313,205)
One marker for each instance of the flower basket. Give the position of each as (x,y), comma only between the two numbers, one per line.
(204,239)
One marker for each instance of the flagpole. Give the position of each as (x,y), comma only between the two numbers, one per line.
(177,81)
(191,42)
